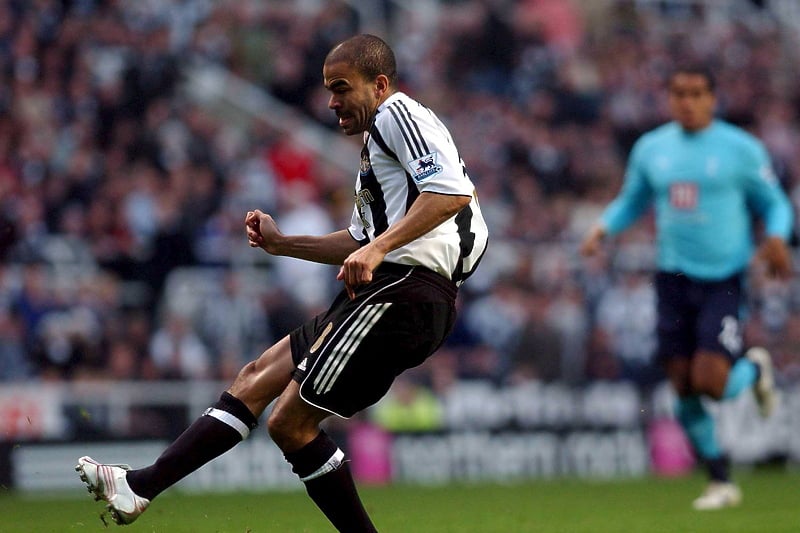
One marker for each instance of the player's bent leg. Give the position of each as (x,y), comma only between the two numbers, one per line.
(699,427)
(318,461)
(709,373)
(698,424)
(261,381)
(221,427)
(677,369)
(293,423)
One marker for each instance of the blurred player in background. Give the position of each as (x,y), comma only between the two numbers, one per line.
(415,235)
(706,179)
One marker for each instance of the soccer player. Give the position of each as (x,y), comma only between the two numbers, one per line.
(415,235)
(706,179)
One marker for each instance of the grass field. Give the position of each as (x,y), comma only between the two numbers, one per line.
(771,505)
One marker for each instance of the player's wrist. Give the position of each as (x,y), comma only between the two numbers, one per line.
(600,232)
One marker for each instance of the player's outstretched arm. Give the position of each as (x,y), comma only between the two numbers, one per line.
(331,249)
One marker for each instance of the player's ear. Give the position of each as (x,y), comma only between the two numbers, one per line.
(381,85)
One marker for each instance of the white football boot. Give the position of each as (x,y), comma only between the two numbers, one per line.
(718,495)
(108,482)
(764,389)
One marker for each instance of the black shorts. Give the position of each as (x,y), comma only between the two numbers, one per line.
(347,357)
(695,315)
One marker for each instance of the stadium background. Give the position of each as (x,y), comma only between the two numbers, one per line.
(134,135)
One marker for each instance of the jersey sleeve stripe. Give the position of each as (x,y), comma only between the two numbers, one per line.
(413,122)
(413,191)
(413,145)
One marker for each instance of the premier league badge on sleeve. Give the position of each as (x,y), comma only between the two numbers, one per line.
(424,167)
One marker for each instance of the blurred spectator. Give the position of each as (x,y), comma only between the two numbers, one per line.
(601,362)
(497,317)
(123,361)
(626,313)
(408,407)
(177,351)
(234,325)
(14,364)
(310,284)
(536,355)
(67,343)
(31,302)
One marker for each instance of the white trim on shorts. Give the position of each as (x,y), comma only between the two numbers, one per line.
(345,323)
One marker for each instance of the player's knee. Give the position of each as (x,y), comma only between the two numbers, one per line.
(708,384)
(279,427)
(246,377)
(682,386)
(284,433)
(678,372)
(290,430)
(249,370)
(249,388)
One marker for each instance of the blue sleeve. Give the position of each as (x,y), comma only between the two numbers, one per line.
(634,198)
(764,193)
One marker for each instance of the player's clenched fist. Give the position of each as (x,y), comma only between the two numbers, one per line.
(358,267)
(775,253)
(262,231)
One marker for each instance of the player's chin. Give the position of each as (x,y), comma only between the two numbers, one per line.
(350,129)
(350,126)
(692,123)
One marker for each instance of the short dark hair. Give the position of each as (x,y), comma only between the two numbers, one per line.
(369,54)
(695,69)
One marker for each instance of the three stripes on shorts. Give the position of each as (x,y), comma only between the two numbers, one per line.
(365,319)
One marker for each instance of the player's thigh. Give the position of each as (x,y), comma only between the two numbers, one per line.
(675,328)
(709,373)
(360,362)
(678,371)
(719,329)
(261,381)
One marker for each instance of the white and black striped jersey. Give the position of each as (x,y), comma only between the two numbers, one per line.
(406,152)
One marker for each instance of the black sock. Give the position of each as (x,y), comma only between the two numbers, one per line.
(718,469)
(220,428)
(321,466)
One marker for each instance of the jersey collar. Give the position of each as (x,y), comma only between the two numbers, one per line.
(392,98)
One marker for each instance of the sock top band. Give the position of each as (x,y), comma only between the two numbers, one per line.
(227,418)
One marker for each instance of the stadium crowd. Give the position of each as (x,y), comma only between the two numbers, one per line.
(113,184)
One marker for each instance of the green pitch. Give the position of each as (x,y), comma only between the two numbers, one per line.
(771,505)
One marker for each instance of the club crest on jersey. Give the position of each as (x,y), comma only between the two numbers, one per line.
(365,164)
(424,167)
